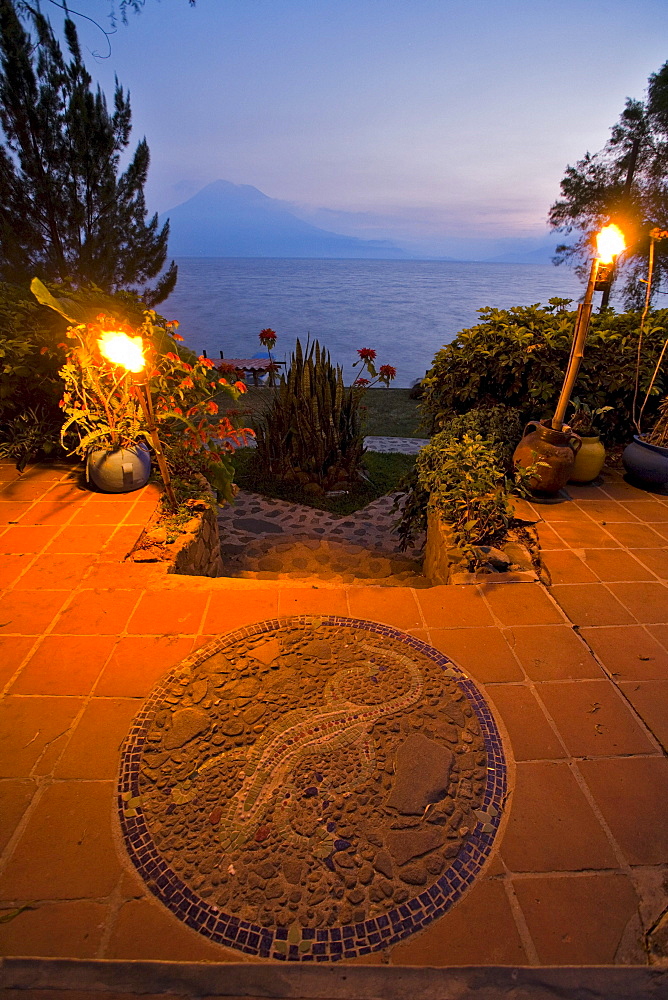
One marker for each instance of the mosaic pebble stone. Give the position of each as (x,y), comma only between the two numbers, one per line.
(311,788)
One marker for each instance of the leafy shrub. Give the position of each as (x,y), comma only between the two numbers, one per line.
(518,357)
(312,433)
(29,435)
(465,474)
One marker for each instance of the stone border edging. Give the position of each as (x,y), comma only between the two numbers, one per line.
(333,982)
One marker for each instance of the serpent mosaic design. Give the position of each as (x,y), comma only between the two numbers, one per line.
(312,788)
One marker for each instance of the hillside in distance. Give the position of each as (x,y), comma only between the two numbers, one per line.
(238,220)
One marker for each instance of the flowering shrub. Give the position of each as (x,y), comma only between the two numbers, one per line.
(385,374)
(101,403)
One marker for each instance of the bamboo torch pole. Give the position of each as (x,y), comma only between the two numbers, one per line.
(142,391)
(579,338)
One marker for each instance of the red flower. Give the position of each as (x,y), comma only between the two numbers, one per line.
(187,383)
(207,362)
(387,372)
(268,337)
(366,353)
(241,386)
(177,336)
(172,357)
(172,323)
(212,407)
(362,382)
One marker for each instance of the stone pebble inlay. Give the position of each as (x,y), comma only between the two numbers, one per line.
(358,810)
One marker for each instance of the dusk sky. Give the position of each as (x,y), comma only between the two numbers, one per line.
(441,124)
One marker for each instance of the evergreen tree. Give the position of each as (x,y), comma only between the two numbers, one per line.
(65,211)
(627,183)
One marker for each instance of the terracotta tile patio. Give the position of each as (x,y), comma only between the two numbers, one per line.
(576,673)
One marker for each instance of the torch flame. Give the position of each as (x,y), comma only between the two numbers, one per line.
(122,350)
(609,243)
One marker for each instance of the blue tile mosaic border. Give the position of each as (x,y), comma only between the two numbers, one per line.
(334,943)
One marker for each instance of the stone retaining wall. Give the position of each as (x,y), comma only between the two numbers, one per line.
(197,551)
(443,562)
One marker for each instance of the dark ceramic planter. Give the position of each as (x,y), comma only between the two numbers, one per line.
(647,462)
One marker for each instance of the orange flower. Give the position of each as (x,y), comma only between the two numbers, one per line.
(212,407)
(241,386)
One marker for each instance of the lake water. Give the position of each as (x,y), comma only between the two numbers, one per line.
(404,310)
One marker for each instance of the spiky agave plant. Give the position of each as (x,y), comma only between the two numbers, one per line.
(312,433)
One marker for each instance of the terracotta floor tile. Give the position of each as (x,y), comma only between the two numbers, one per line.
(67,849)
(655,559)
(146,930)
(564,916)
(660,632)
(80,539)
(73,492)
(450,940)
(612,565)
(55,571)
(648,511)
(312,600)
(122,542)
(629,652)
(565,510)
(29,612)
(15,797)
(93,612)
(632,793)
(523,509)
(12,565)
(583,534)
(22,489)
(481,652)
(95,746)
(548,538)
(31,538)
(65,665)
(141,512)
(551,652)
(661,529)
(59,930)
(13,649)
(623,491)
(591,604)
(531,736)
(449,607)
(138,662)
(636,536)
(230,610)
(647,601)
(31,726)
(650,700)
(391,605)
(608,511)
(12,511)
(521,604)
(111,574)
(585,491)
(102,513)
(593,720)
(552,827)
(48,512)
(565,566)
(168,612)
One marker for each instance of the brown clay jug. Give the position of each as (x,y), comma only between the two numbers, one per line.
(553,451)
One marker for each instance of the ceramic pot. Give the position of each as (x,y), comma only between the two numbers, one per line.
(588,460)
(554,451)
(119,471)
(647,462)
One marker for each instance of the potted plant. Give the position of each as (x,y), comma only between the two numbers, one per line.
(114,408)
(646,458)
(590,457)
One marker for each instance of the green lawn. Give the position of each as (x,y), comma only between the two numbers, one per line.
(384,472)
(385,412)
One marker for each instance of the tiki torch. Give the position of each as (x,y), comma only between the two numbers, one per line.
(609,244)
(128,353)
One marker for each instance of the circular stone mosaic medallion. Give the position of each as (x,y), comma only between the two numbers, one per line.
(312,788)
